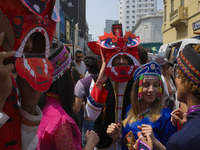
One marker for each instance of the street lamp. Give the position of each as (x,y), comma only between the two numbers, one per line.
(72,31)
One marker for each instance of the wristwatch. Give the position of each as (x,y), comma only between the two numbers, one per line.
(3,118)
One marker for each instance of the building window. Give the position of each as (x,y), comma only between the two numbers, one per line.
(133,11)
(152,5)
(127,16)
(172,6)
(127,27)
(133,16)
(145,0)
(145,5)
(127,1)
(139,0)
(139,5)
(133,6)
(182,2)
(152,10)
(133,1)
(127,22)
(127,6)
(165,13)
(127,12)
(133,21)
(199,4)
(145,10)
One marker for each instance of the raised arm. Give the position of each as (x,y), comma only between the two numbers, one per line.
(5,72)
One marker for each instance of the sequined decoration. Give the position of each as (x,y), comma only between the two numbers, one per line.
(140,87)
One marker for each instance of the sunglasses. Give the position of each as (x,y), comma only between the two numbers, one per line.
(79,56)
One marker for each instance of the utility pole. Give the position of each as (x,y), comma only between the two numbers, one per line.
(72,34)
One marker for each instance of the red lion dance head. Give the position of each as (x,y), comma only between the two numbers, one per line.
(112,46)
(20,20)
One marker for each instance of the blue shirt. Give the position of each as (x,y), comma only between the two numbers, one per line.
(188,138)
(162,128)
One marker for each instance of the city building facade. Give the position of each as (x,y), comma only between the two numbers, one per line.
(130,11)
(108,25)
(180,19)
(149,29)
(73,28)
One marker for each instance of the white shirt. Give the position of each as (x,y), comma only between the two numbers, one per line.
(29,139)
(81,68)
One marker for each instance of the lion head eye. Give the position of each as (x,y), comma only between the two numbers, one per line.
(108,43)
(131,42)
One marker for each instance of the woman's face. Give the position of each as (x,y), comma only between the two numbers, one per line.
(168,70)
(150,88)
(29,96)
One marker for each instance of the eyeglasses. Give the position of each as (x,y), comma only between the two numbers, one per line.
(79,56)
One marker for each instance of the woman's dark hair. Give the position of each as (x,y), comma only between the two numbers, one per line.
(75,75)
(143,55)
(63,87)
(91,62)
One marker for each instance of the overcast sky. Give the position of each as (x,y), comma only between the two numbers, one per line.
(97,11)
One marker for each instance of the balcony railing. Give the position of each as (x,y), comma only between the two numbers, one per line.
(179,16)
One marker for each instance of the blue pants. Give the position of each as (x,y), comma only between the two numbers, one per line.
(87,125)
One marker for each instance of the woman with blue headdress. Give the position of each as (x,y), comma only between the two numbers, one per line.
(145,111)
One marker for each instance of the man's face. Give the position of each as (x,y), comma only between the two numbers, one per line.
(122,60)
(28,46)
(79,57)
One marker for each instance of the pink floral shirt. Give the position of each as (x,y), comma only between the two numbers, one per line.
(57,130)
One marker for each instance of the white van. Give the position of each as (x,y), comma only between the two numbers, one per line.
(152,56)
(172,50)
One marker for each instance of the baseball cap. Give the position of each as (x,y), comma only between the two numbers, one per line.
(163,60)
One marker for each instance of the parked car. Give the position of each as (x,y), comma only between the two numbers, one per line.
(172,50)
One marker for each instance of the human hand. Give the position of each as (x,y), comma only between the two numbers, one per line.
(114,130)
(102,75)
(178,115)
(91,139)
(146,140)
(147,130)
(5,71)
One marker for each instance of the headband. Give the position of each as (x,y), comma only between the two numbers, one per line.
(188,61)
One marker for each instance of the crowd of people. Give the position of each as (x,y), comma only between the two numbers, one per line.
(113,98)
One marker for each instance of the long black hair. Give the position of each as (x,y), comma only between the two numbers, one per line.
(63,87)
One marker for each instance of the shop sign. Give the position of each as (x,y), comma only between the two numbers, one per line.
(196,25)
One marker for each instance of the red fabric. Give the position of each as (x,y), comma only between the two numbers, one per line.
(11,131)
(99,95)
(179,126)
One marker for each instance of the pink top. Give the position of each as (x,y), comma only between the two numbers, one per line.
(57,130)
